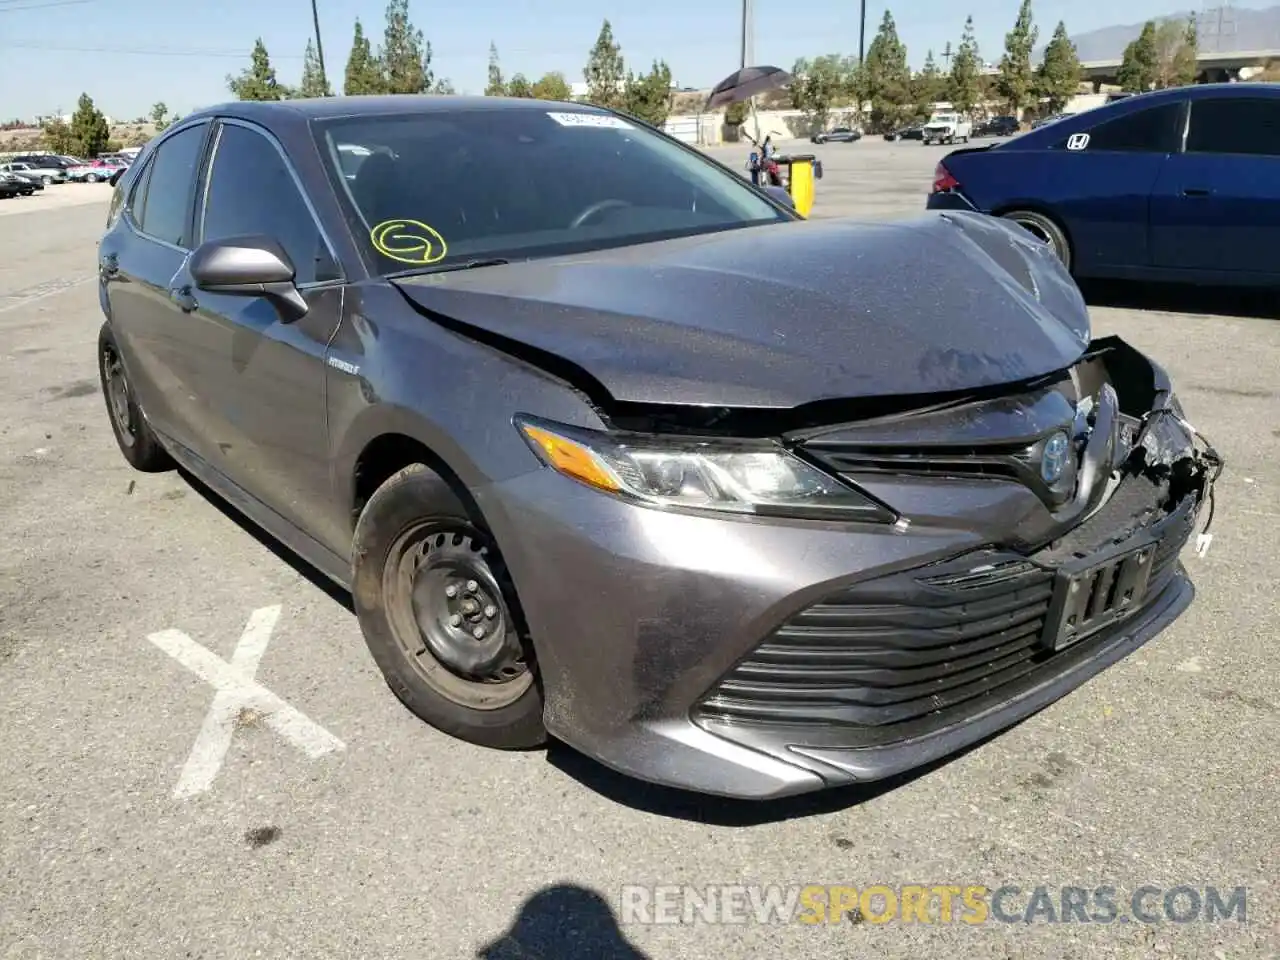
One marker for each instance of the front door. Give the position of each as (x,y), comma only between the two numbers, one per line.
(266,389)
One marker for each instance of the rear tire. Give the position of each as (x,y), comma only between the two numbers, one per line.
(1046,230)
(134,436)
(425,577)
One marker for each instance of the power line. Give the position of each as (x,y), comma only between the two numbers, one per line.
(140,51)
(43,6)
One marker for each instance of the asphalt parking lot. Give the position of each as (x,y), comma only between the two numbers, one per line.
(133,612)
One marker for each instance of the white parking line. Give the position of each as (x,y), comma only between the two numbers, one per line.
(238,692)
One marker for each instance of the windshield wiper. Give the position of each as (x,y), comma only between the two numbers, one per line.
(448,267)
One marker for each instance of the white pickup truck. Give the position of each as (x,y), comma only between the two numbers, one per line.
(946,128)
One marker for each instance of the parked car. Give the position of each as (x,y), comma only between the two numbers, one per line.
(997,127)
(28,177)
(1045,121)
(53,173)
(634,455)
(11,186)
(1177,185)
(838,135)
(906,133)
(93,171)
(947,128)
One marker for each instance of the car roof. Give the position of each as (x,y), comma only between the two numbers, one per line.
(332,108)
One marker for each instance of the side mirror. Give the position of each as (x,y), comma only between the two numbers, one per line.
(781,195)
(251,266)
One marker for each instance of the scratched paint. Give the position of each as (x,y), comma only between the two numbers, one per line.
(238,695)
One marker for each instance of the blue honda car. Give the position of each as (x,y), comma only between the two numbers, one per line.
(1179,185)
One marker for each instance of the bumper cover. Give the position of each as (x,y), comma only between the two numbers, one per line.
(950,200)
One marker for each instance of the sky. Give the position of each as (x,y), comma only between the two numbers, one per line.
(129,54)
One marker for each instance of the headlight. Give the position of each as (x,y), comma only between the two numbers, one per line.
(721,476)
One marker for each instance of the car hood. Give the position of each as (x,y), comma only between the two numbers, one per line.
(783,315)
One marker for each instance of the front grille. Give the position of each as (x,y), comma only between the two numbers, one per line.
(902,654)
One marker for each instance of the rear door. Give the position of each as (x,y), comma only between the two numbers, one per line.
(1217,205)
(266,388)
(137,261)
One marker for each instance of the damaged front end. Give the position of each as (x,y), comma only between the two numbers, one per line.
(1086,486)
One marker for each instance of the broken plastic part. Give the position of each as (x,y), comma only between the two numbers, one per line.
(1202,544)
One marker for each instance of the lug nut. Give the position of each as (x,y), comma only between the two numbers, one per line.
(451,591)
(490,611)
(471,586)
(478,633)
(455,620)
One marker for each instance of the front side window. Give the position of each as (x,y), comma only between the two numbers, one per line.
(1242,125)
(166,193)
(438,188)
(252,192)
(1153,130)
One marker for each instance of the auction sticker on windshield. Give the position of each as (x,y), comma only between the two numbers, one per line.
(590,120)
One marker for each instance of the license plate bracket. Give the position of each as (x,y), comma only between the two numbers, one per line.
(1096,592)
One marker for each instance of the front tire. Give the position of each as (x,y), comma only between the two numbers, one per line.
(134,436)
(1046,230)
(440,615)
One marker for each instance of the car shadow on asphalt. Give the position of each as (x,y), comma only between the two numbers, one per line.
(281,552)
(567,922)
(1181,298)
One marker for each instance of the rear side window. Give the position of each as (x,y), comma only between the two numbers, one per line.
(1248,125)
(166,194)
(1153,130)
(251,191)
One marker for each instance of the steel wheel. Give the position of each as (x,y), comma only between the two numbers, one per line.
(118,401)
(445,592)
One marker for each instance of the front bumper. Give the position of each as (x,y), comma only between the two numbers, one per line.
(658,637)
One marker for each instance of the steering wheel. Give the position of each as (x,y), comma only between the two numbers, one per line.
(595,208)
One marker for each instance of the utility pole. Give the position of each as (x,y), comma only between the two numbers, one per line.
(315,17)
(748,32)
(862,35)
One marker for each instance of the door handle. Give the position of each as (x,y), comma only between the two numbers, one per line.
(184,298)
(1195,192)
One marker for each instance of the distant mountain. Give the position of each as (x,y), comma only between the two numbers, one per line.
(1234,30)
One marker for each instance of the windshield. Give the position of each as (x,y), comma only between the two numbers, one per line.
(437,189)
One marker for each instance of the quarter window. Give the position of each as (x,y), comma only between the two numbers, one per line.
(251,191)
(1248,125)
(165,190)
(1153,130)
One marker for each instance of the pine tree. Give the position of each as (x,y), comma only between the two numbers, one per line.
(553,86)
(966,72)
(886,78)
(258,80)
(928,88)
(1016,84)
(89,129)
(364,74)
(605,70)
(648,95)
(314,83)
(1140,65)
(160,117)
(1183,69)
(1058,78)
(497,86)
(405,58)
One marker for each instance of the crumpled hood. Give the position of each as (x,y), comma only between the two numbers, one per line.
(784,315)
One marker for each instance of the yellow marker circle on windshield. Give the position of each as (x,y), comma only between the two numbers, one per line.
(408,241)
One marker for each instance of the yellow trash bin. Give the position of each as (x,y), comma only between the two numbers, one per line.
(802,171)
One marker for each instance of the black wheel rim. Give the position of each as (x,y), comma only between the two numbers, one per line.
(446,593)
(118,400)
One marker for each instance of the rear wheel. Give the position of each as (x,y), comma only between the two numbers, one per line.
(440,616)
(133,434)
(47,181)
(1046,230)
(91,178)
